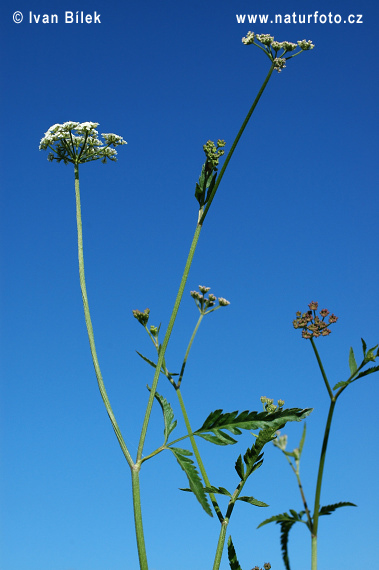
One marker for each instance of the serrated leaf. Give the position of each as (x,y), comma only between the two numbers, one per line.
(168,415)
(239,467)
(234,422)
(285,528)
(360,375)
(183,458)
(232,556)
(217,490)
(352,363)
(286,522)
(220,438)
(368,371)
(253,501)
(328,509)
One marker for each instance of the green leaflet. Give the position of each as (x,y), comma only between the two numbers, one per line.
(253,501)
(328,509)
(195,483)
(217,490)
(153,363)
(232,556)
(168,416)
(239,467)
(234,422)
(352,363)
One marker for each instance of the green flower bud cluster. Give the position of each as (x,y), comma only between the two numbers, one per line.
(78,143)
(213,152)
(311,324)
(203,303)
(208,173)
(269,406)
(272,47)
(266,566)
(143,318)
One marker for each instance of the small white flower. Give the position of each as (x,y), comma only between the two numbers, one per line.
(249,39)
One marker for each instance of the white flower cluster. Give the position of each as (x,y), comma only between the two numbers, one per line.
(271,47)
(78,143)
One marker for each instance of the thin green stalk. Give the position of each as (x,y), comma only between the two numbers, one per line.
(297,474)
(198,456)
(188,350)
(316,508)
(202,215)
(230,153)
(166,339)
(138,518)
(87,317)
(322,369)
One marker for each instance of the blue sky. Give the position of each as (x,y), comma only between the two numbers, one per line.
(294,220)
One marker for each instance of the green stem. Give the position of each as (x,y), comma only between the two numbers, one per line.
(297,474)
(165,341)
(322,369)
(309,518)
(138,518)
(230,153)
(316,508)
(87,317)
(220,545)
(198,456)
(188,350)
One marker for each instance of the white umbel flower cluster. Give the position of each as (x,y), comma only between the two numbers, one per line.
(272,48)
(78,143)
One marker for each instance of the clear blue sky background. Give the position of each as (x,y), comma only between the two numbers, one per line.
(295,220)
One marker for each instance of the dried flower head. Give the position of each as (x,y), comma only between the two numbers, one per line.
(78,143)
(311,324)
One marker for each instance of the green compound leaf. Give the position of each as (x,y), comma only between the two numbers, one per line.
(213,429)
(195,483)
(253,501)
(329,509)
(168,415)
(352,363)
(232,556)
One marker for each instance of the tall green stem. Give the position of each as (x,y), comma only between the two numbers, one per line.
(220,545)
(87,317)
(202,215)
(316,508)
(166,339)
(236,140)
(138,518)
